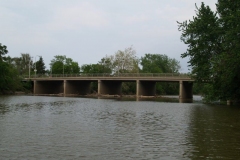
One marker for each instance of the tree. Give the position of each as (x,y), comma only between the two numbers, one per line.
(201,35)
(213,40)
(105,65)
(123,61)
(63,65)
(22,63)
(3,51)
(228,78)
(9,79)
(40,66)
(91,68)
(157,63)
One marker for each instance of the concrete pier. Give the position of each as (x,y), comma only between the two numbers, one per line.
(185,91)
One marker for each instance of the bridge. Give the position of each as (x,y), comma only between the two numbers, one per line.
(80,84)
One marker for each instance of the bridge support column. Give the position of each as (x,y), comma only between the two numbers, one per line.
(109,87)
(35,87)
(185,92)
(64,87)
(99,87)
(146,88)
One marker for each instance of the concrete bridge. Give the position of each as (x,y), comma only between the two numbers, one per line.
(109,84)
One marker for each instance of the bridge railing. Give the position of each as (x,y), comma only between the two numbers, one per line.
(177,75)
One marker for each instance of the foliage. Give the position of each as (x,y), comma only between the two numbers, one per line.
(9,80)
(201,35)
(94,68)
(40,66)
(157,63)
(22,63)
(63,65)
(3,51)
(129,88)
(213,41)
(123,61)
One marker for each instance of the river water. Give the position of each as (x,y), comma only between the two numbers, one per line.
(35,127)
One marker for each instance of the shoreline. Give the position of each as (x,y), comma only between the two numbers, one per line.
(95,95)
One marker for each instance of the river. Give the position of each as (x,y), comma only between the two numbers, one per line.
(38,127)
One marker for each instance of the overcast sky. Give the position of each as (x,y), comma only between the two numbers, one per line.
(87,30)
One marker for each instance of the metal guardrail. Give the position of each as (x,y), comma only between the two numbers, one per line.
(177,75)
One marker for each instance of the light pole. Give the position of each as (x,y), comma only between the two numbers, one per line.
(63,68)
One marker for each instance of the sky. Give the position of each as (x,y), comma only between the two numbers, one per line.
(88,30)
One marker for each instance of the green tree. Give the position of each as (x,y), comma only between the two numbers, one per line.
(91,68)
(213,41)
(105,65)
(227,81)
(23,63)
(3,51)
(40,66)
(202,37)
(63,65)
(9,79)
(157,63)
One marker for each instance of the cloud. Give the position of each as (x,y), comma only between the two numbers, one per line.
(181,11)
(77,16)
(128,20)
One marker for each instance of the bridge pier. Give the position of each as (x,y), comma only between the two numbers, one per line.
(146,88)
(109,87)
(185,91)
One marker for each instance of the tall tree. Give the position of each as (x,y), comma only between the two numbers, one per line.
(9,79)
(158,63)
(95,68)
(40,66)
(228,69)
(3,51)
(23,63)
(201,36)
(63,65)
(213,40)
(123,61)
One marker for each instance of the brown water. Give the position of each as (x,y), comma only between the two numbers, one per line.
(33,127)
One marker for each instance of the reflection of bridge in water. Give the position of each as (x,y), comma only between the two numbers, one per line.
(73,84)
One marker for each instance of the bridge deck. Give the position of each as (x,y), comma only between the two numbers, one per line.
(120,77)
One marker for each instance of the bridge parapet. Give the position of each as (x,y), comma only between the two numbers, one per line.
(177,75)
